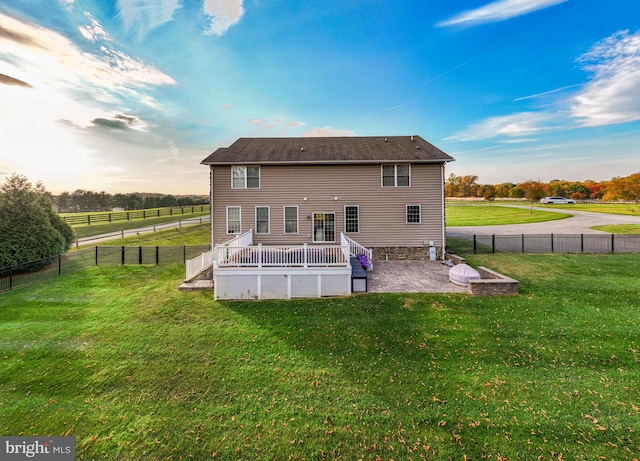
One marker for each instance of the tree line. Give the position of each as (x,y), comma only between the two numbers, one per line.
(82,200)
(616,189)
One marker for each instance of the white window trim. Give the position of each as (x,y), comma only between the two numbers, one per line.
(239,218)
(313,227)
(245,177)
(357,207)
(395,174)
(406,213)
(268,219)
(284,212)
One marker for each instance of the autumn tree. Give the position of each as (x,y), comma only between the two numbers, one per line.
(533,192)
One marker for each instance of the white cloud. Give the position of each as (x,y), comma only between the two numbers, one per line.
(327,131)
(499,10)
(49,61)
(93,31)
(143,16)
(613,93)
(223,14)
(513,125)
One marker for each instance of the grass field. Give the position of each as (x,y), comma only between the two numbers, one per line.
(106,228)
(197,234)
(137,370)
(612,208)
(490,215)
(620,228)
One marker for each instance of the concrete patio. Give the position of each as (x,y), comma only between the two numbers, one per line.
(411,277)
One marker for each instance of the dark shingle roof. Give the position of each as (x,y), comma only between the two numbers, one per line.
(356,149)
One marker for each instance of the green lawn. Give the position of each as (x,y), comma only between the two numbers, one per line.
(136,370)
(620,228)
(106,228)
(611,208)
(490,215)
(197,234)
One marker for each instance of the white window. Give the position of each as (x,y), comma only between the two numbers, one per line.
(245,177)
(262,220)
(233,220)
(413,214)
(396,175)
(351,219)
(324,227)
(291,220)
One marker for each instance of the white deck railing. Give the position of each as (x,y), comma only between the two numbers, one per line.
(205,260)
(355,249)
(282,256)
(198,264)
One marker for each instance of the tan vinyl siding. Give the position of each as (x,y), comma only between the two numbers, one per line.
(327,189)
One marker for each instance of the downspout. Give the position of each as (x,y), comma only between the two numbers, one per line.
(213,240)
(444,233)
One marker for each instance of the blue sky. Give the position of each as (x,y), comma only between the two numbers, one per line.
(131,95)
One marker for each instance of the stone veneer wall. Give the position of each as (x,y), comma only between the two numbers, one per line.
(492,284)
(404,253)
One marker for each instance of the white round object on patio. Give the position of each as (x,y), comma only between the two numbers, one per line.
(460,274)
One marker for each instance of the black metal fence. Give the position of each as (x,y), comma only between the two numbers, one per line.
(15,277)
(101,218)
(556,243)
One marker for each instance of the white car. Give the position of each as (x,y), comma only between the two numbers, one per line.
(556,200)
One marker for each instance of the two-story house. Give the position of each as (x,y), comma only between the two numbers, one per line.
(385,192)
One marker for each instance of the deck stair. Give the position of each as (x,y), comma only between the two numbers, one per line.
(358,276)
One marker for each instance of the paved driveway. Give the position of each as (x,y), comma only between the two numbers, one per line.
(579,223)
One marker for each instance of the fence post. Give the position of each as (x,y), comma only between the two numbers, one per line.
(59,264)
(475,247)
(123,255)
(551,243)
(128,216)
(184,254)
(493,243)
(88,220)
(96,255)
(613,245)
(140,254)
(157,255)
(581,243)
(522,243)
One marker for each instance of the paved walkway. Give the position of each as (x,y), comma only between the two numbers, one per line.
(411,277)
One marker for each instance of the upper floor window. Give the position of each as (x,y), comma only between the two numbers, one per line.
(245,177)
(396,175)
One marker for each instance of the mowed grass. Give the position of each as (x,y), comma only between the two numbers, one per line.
(136,370)
(490,215)
(631,209)
(84,230)
(196,234)
(620,228)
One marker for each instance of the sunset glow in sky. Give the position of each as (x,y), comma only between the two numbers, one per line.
(130,95)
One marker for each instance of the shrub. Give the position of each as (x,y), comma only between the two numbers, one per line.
(29,229)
